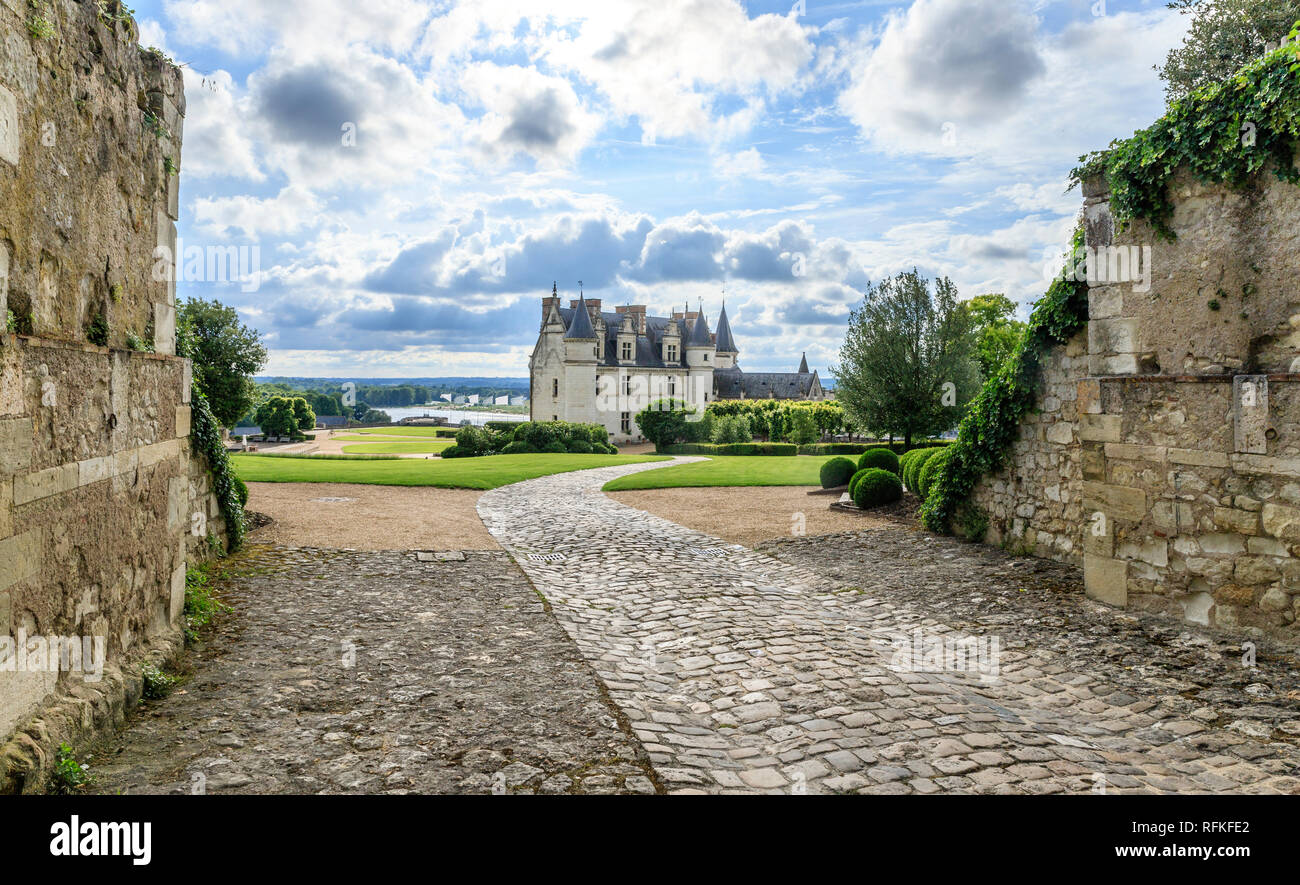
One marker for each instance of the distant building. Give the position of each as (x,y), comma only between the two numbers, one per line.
(472,399)
(603,368)
(501,401)
(330,422)
(518,400)
(446,397)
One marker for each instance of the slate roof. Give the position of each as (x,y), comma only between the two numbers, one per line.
(726,343)
(648,350)
(581,325)
(734,383)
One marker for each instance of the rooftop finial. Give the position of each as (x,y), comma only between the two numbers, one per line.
(553,286)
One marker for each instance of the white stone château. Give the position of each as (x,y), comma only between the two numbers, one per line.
(595,367)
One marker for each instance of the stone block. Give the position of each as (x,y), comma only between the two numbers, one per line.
(30,487)
(1100,428)
(6,507)
(4,280)
(1130,452)
(1105,580)
(1120,364)
(1088,396)
(187,380)
(15,444)
(1250,413)
(20,558)
(1281,522)
(1105,302)
(1246,463)
(1197,458)
(182,421)
(1152,551)
(164,326)
(1061,433)
(1232,520)
(1117,335)
(177,606)
(10,147)
(1117,502)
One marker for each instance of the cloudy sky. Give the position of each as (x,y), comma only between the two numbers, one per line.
(416,173)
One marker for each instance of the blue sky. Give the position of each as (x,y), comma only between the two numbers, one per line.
(415,174)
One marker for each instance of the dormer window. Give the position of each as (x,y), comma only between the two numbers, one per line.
(671,356)
(627,350)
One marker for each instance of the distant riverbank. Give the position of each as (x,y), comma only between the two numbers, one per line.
(451,413)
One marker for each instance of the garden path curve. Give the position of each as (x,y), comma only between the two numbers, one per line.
(742,673)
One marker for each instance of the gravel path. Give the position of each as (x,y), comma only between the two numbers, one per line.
(741,672)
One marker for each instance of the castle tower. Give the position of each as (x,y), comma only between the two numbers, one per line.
(725,343)
(579,382)
(700,360)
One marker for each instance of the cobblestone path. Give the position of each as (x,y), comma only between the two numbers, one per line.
(342,671)
(744,673)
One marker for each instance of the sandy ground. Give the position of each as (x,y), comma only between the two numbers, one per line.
(748,516)
(372,517)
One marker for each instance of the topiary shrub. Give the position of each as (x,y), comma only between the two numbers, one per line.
(837,472)
(921,456)
(884,459)
(877,487)
(929,472)
(854,480)
(580,447)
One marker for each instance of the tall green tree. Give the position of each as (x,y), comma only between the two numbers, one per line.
(226,355)
(907,364)
(664,422)
(1223,36)
(996,331)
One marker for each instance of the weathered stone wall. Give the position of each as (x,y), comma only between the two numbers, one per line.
(1035,504)
(1186,432)
(98,485)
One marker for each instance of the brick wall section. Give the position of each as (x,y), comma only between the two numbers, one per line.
(98,485)
(1186,424)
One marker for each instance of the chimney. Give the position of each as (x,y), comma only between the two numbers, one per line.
(637,312)
(547,304)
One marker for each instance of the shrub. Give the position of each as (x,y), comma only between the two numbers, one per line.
(241,490)
(69,774)
(515,448)
(473,440)
(157,684)
(665,422)
(974,522)
(580,447)
(854,480)
(732,429)
(912,479)
(781,449)
(877,487)
(453,452)
(555,448)
(803,427)
(883,459)
(837,472)
(929,472)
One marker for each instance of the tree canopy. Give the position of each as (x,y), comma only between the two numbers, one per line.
(226,355)
(1223,36)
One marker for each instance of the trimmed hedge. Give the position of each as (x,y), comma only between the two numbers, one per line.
(929,472)
(837,472)
(854,480)
(884,459)
(876,487)
(859,448)
(918,460)
(783,449)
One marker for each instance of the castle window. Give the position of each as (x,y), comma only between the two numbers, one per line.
(555,387)
(672,386)
(627,350)
(627,385)
(625,422)
(706,357)
(672,353)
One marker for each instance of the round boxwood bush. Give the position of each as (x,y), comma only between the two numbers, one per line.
(883,459)
(555,448)
(914,466)
(926,476)
(837,472)
(580,447)
(854,480)
(877,487)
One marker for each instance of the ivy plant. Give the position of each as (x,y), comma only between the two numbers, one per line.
(206,438)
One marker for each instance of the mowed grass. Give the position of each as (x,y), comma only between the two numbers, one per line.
(729,470)
(400,448)
(362,432)
(487,472)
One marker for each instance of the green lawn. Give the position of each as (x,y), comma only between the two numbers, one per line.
(362,432)
(399,448)
(459,473)
(730,470)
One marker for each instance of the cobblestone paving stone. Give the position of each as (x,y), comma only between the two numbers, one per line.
(462,683)
(741,672)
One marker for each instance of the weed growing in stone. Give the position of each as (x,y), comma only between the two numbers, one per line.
(69,774)
(201,603)
(157,684)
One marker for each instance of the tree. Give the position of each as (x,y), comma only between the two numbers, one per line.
(278,416)
(803,427)
(1223,36)
(906,365)
(226,354)
(664,422)
(996,333)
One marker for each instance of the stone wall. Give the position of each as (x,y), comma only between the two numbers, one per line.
(100,493)
(1184,442)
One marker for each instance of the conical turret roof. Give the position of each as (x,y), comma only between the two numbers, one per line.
(580,327)
(726,344)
